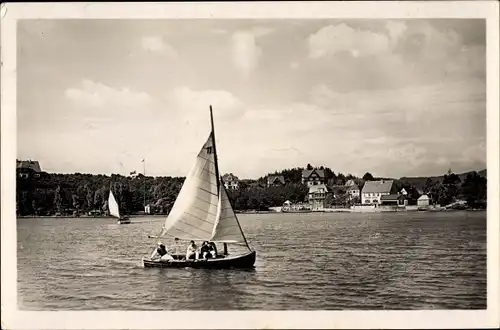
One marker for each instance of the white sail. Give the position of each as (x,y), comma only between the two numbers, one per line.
(195,210)
(113,205)
(226,228)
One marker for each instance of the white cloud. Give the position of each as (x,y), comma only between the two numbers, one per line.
(96,94)
(332,39)
(396,29)
(260,31)
(194,103)
(245,50)
(294,65)
(156,44)
(218,31)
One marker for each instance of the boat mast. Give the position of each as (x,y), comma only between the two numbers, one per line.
(215,151)
(219,180)
(144,178)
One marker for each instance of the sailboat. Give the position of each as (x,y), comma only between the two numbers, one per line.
(203,212)
(114,210)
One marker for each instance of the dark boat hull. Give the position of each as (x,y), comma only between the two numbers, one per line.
(124,221)
(240,261)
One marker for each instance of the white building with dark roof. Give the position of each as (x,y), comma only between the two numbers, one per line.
(231,181)
(313,177)
(28,168)
(374,190)
(316,196)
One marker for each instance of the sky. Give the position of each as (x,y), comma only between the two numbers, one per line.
(390,97)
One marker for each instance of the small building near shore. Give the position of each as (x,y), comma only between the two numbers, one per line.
(316,196)
(231,181)
(353,192)
(374,190)
(393,199)
(423,201)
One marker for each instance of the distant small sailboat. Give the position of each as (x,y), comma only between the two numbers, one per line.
(203,212)
(114,210)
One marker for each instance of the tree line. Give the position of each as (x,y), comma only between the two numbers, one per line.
(78,193)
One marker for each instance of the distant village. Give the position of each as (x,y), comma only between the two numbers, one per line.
(373,194)
(310,189)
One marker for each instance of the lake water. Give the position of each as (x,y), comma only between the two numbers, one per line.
(334,261)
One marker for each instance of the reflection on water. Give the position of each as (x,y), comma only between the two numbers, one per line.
(304,261)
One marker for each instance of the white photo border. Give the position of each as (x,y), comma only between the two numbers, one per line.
(12,318)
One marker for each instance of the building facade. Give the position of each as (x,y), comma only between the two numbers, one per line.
(231,181)
(423,201)
(374,190)
(353,192)
(28,169)
(275,180)
(317,195)
(313,177)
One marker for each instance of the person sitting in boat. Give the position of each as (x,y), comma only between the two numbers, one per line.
(161,252)
(205,250)
(213,249)
(192,251)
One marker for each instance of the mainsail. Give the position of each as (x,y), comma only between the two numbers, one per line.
(113,205)
(200,212)
(195,210)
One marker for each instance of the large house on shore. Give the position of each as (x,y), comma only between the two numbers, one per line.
(374,190)
(27,169)
(313,177)
(317,195)
(231,181)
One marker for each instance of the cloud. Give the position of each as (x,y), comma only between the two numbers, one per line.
(245,50)
(333,39)
(396,29)
(423,41)
(156,44)
(218,31)
(408,127)
(96,94)
(194,103)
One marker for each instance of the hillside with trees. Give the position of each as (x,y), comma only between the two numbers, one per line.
(67,194)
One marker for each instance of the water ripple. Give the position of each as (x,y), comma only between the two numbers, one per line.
(304,261)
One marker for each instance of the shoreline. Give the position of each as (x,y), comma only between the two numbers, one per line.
(262,212)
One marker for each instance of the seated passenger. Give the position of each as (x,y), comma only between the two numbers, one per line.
(160,251)
(192,252)
(204,250)
(213,249)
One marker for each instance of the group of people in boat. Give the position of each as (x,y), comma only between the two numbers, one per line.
(208,250)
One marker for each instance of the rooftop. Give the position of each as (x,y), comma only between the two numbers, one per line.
(354,187)
(391,197)
(307,173)
(29,164)
(272,179)
(229,177)
(383,186)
